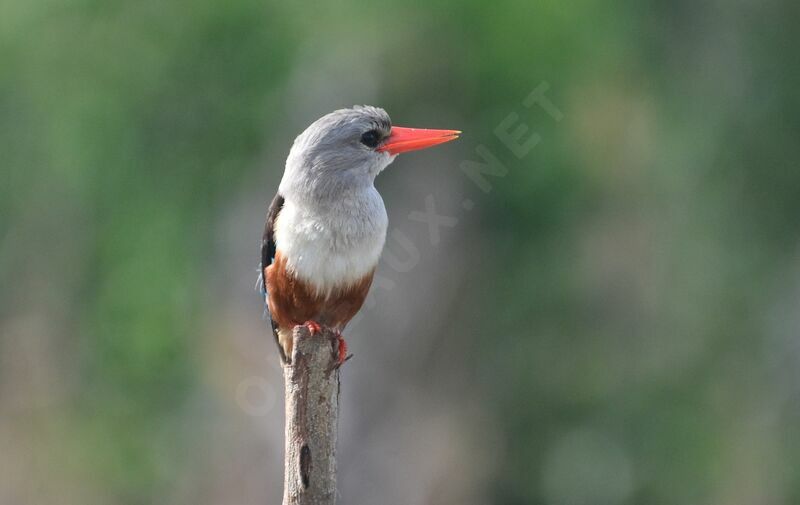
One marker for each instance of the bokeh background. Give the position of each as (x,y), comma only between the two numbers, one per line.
(616,321)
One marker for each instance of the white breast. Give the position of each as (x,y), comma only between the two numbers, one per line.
(334,247)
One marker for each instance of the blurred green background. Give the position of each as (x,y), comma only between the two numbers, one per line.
(617,321)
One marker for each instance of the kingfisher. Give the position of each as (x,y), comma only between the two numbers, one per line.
(326,226)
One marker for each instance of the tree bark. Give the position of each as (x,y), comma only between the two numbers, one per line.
(311,383)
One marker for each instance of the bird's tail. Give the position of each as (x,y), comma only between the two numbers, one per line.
(261,287)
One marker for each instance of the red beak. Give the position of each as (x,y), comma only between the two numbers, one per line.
(402,140)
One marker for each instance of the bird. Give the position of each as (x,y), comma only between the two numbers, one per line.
(326,226)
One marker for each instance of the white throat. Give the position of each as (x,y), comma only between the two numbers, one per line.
(334,244)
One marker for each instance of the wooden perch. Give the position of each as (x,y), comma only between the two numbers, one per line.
(311,382)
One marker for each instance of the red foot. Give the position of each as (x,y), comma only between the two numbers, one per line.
(313,327)
(341,349)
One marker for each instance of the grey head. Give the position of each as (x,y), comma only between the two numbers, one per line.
(337,155)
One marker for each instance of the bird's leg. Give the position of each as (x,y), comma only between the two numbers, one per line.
(340,348)
(313,327)
(338,342)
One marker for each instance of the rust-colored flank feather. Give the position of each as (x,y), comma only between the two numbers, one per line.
(293,302)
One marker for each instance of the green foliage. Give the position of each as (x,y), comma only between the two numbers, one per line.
(637,254)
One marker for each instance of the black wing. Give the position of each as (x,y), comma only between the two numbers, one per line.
(268,255)
(268,239)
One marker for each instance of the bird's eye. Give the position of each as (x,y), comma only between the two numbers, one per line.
(371,138)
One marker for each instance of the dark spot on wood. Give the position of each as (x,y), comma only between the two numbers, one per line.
(305,465)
